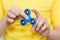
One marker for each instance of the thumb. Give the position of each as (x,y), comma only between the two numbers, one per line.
(36,13)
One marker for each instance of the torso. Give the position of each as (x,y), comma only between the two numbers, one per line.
(16,31)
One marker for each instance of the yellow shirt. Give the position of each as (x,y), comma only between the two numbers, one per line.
(49,9)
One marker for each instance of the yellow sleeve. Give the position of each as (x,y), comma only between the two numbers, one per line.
(1,11)
(56,13)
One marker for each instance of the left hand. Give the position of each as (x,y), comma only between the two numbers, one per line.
(41,27)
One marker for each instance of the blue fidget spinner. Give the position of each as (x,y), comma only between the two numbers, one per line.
(31,20)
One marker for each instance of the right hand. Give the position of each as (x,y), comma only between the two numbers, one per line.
(14,14)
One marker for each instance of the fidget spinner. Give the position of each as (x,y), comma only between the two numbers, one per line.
(30,20)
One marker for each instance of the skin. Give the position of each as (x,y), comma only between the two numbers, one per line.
(42,27)
(13,14)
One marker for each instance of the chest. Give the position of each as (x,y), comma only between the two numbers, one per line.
(42,5)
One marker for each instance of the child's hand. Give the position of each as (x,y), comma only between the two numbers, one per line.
(15,13)
(12,15)
(42,26)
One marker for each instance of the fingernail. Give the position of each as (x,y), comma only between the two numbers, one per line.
(27,17)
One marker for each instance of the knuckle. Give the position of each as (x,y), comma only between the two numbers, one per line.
(8,14)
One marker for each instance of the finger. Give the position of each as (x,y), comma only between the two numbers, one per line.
(43,29)
(10,20)
(39,26)
(36,12)
(45,33)
(34,27)
(19,12)
(22,14)
(15,11)
(11,15)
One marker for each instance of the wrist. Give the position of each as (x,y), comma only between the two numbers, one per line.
(50,36)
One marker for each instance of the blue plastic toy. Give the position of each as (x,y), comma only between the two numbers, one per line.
(31,20)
